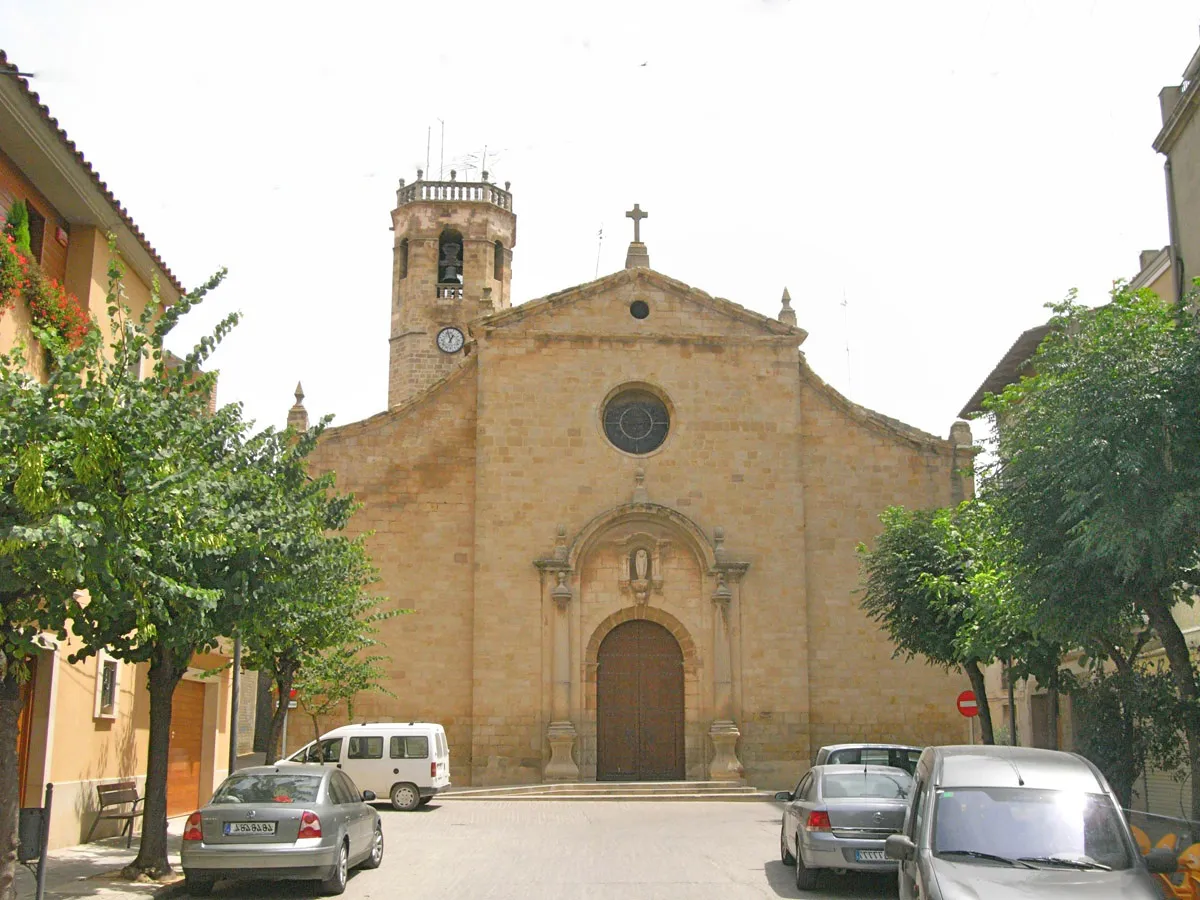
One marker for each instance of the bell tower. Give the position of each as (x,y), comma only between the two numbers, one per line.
(452,264)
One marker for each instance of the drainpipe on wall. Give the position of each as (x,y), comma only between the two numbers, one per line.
(234,703)
(1173,229)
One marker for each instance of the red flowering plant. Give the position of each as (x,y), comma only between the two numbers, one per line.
(13,267)
(56,315)
(55,311)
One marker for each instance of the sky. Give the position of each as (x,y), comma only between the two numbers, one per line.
(923,177)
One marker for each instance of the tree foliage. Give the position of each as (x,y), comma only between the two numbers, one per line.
(46,524)
(937,581)
(1098,480)
(314,607)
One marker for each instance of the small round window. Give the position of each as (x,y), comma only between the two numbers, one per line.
(636,421)
(639,309)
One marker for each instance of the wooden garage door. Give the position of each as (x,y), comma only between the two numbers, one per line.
(183,756)
(639,700)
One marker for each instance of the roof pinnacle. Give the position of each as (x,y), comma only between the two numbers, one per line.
(787,315)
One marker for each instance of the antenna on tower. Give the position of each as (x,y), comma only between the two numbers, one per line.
(442,158)
(599,244)
(428,135)
(846,325)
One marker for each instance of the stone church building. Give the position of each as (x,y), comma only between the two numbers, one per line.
(625,517)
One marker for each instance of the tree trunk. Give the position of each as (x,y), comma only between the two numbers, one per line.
(283,681)
(10,788)
(979,686)
(1012,705)
(1158,611)
(1052,716)
(165,674)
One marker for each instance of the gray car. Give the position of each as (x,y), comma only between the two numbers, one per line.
(282,823)
(1003,822)
(900,756)
(838,818)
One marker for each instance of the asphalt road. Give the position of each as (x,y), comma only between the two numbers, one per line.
(580,850)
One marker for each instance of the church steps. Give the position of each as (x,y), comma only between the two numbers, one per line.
(642,790)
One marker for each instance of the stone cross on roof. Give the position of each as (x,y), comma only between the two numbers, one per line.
(637,214)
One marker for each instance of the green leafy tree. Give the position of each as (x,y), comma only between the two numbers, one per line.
(915,585)
(314,604)
(335,679)
(161,473)
(45,524)
(1126,715)
(1099,479)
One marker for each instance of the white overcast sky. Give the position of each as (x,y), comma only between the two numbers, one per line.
(946,168)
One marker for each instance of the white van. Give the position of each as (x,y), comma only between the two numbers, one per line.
(406,761)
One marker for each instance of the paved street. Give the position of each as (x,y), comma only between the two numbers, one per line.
(562,850)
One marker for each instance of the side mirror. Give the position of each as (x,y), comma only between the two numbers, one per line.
(783,796)
(1161,861)
(368,796)
(899,846)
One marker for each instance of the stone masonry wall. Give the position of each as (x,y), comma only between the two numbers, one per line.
(414,469)
(853,470)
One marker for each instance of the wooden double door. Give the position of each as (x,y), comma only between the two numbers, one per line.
(639,705)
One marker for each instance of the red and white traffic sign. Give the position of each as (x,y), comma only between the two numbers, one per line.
(967,704)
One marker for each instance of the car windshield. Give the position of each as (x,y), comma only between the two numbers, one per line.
(1045,826)
(270,788)
(889,785)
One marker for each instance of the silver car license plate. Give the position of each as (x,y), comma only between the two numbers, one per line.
(870,856)
(249,827)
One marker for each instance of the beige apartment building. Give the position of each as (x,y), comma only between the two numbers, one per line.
(625,516)
(87,723)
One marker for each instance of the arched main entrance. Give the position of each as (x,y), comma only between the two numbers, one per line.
(639,704)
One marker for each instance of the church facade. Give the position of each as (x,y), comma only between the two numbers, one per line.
(625,516)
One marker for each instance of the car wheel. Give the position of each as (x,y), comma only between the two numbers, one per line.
(336,882)
(197,887)
(376,856)
(784,853)
(406,797)
(806,878)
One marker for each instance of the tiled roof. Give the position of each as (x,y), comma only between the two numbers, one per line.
(52,124)
(1009,370)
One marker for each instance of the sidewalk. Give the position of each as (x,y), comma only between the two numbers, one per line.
(92,870)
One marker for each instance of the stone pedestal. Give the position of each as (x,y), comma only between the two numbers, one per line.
(725,765)
(561,766)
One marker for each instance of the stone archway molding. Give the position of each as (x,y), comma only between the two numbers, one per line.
(707,551)
(691,657)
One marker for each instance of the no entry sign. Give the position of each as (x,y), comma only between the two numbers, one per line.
(967,704)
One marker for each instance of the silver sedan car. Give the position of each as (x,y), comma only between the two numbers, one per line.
(838,818)
(282,823)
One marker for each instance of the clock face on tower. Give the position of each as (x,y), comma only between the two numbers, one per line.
(449,340)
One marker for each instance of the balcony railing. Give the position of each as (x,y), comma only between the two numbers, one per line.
(469,191)
(449,291)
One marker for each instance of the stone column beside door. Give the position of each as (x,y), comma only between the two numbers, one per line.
(723,732)
(561,734)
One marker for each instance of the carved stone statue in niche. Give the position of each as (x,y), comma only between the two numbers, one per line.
(641,568)
(641,561)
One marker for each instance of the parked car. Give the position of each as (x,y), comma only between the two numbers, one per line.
(1018,821)
(407,762)
(838,818)
(900,756)
(282,823)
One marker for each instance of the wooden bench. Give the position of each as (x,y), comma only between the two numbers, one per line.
(119,794)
